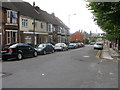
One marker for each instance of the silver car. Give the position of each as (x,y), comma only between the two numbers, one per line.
(98,45)
(61,46)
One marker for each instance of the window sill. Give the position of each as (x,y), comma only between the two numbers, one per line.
(11,24)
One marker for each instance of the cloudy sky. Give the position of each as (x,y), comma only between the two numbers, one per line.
(72,12)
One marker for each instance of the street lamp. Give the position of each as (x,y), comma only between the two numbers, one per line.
(69,19)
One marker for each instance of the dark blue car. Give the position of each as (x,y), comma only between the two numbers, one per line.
(45,48)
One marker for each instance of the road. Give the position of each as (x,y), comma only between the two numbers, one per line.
(78,68)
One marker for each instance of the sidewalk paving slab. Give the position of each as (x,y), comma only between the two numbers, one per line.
(109,54)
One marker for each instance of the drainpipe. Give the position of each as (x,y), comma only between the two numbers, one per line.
(34,32)
(19,40)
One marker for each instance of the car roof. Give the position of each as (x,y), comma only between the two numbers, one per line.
(99,42)
(18,44)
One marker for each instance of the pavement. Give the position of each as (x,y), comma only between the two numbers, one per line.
(109,54)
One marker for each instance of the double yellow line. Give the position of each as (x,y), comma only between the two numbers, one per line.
(99,53)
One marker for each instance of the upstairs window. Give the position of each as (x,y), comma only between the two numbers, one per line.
(24,22)
(41,25)
(12,17)
(50,28)
(8,16)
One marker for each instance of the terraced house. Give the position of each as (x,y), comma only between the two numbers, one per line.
(26,23)
(10,24)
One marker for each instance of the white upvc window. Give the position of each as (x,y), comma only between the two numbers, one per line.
(41,25)
(50,28)
(14,20)
(8,37)
(12,15)
(8,16)
(24,22)
(14,36)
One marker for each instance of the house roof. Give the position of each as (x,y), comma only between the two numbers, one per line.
(48,17)
(9,5)
(62,23)
(27,9)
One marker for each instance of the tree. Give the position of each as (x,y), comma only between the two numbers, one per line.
(106,15)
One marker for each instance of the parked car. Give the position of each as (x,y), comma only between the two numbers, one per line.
(45,48)
(72,46)
(18,51)
(79,45)
(83,45)
(98,45)
(92,43)
(61,46)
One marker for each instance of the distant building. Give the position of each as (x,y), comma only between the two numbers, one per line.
(97,36)
(77,36)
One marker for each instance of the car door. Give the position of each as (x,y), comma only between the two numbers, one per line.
(50,48)
(22,49)
(30,50)
(47,49)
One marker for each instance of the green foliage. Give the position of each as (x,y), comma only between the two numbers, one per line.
(93,40)
(107,16)
(86,41)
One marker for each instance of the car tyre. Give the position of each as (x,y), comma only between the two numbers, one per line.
(35,54)
(44,52)
(53,51)
(19,56)
(5,59)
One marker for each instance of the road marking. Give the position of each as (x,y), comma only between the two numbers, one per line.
(86,56)
(43,74)
(111,73)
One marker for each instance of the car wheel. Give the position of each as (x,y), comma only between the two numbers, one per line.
(53,51)
(35,54)
(44,52)
(5,59)
(63,49)
(19,56)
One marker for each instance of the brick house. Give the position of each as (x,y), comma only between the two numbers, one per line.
(10,24)
(24,23)
(77,36)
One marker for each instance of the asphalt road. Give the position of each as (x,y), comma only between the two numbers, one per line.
(77,68)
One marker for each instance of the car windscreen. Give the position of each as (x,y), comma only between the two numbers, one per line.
(99,44)
(41,46)
(58,44)
(71,44)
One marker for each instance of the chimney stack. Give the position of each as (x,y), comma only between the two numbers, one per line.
(33,4)
(53,14)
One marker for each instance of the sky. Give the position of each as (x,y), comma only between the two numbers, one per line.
(74,13)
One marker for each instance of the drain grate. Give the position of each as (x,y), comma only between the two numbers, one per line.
(5,74)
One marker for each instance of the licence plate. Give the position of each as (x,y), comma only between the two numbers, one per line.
(3,51)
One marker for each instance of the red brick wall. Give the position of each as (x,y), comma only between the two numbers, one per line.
(77,36)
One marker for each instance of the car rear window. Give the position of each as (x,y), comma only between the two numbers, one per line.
(99,44)
(41,45)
